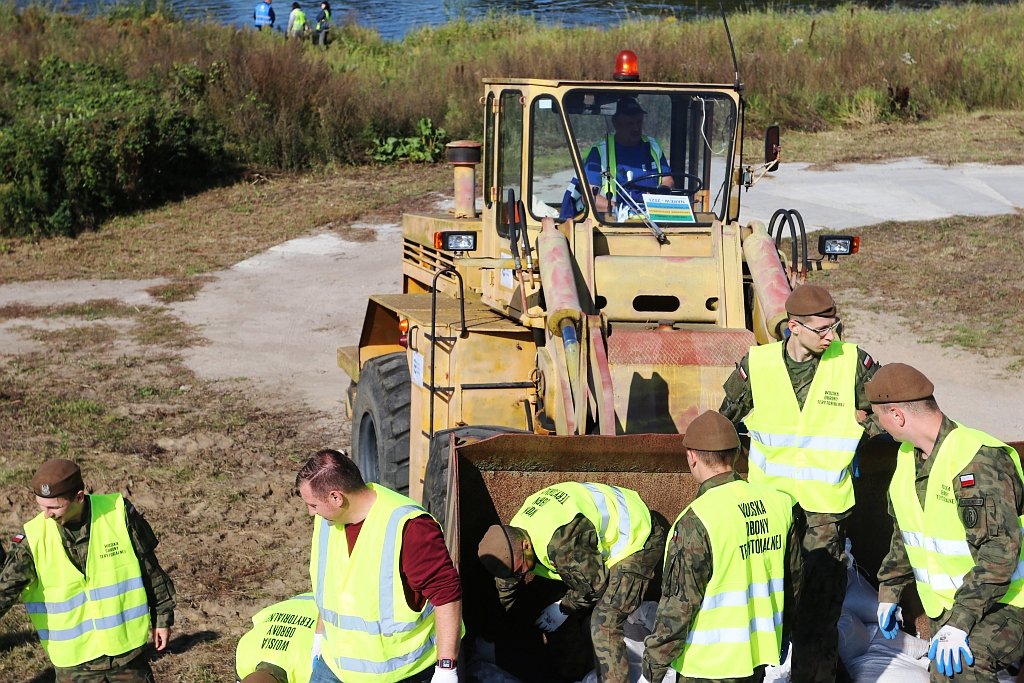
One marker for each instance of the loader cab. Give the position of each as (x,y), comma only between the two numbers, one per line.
(563,149)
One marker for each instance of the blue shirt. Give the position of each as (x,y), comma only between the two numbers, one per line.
(263,15)
(636,159)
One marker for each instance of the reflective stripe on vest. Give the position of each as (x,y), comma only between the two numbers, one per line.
(370,635)
(620,517)
(262,14)
(934,537)
(806,453)
(105,612)
(739,624)
(606,150)
(282,635)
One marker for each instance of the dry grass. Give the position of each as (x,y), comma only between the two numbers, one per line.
(954,280)
(224,226)
(211,471)
(979,137)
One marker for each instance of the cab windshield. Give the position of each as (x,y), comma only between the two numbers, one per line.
(646,156)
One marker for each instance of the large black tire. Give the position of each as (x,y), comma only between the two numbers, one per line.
(380,421)
(435,479)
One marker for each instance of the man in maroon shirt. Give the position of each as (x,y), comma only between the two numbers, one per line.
(331,487)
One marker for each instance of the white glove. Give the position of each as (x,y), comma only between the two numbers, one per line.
(445,675)
(551,618)
(890,618)
(318,644)
(948,648)
(483,650)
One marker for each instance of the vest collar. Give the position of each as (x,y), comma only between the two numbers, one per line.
(718,480)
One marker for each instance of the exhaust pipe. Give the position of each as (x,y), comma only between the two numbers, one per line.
(464,155)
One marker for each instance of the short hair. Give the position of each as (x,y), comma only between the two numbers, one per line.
(919,407)
(716,458)
(330,470)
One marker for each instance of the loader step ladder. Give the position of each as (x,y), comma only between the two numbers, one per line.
(433,332)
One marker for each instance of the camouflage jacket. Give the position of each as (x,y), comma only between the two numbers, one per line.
(739,402)
(19,570)
(688,569)
(574,552)
(992,506)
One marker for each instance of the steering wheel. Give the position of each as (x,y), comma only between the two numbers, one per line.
(684,189)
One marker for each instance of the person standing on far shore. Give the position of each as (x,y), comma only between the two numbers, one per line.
(263,15)
(323,23)
(296,22)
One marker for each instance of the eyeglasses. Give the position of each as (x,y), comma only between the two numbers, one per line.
(822,331)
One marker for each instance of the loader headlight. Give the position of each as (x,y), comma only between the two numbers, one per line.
(834,246)
(455,241)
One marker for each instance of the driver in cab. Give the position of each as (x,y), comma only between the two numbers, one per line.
(627,155)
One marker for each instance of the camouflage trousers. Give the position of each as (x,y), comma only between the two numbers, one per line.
(815,634)
(997,642)
(627,583)
(136,670)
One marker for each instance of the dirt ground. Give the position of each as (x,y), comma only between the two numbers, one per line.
(201,405)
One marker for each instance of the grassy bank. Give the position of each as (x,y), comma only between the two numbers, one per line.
(197,102)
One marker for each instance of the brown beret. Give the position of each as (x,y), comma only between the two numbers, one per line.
(57,478)
(496,551)
(898,383)
(711,431)
(811,300)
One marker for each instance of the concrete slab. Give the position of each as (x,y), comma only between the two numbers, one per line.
(852,195)
(280,315)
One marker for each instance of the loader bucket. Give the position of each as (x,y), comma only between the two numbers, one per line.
(496,475)
(490,479)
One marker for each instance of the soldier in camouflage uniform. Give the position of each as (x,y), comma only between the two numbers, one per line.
(690,563)
(60,493)
(813,328)
(576,536)
(968,504)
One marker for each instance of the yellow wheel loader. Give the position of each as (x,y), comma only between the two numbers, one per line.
(573,325)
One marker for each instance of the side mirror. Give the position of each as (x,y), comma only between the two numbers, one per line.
(771,148)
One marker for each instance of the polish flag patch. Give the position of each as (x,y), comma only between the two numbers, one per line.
(966,480)
(17,538)
(868,361)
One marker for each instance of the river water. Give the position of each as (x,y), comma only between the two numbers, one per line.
(394,19)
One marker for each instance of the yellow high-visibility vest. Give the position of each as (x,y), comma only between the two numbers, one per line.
(370,632)
(934,536)
(105,612)
(621,518)
(606,152)
(739,624)
(282,635)
(806,453)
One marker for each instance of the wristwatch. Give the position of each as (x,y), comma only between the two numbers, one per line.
(446,663)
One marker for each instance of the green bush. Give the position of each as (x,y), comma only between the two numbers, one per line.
(81,143)
(427,145)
